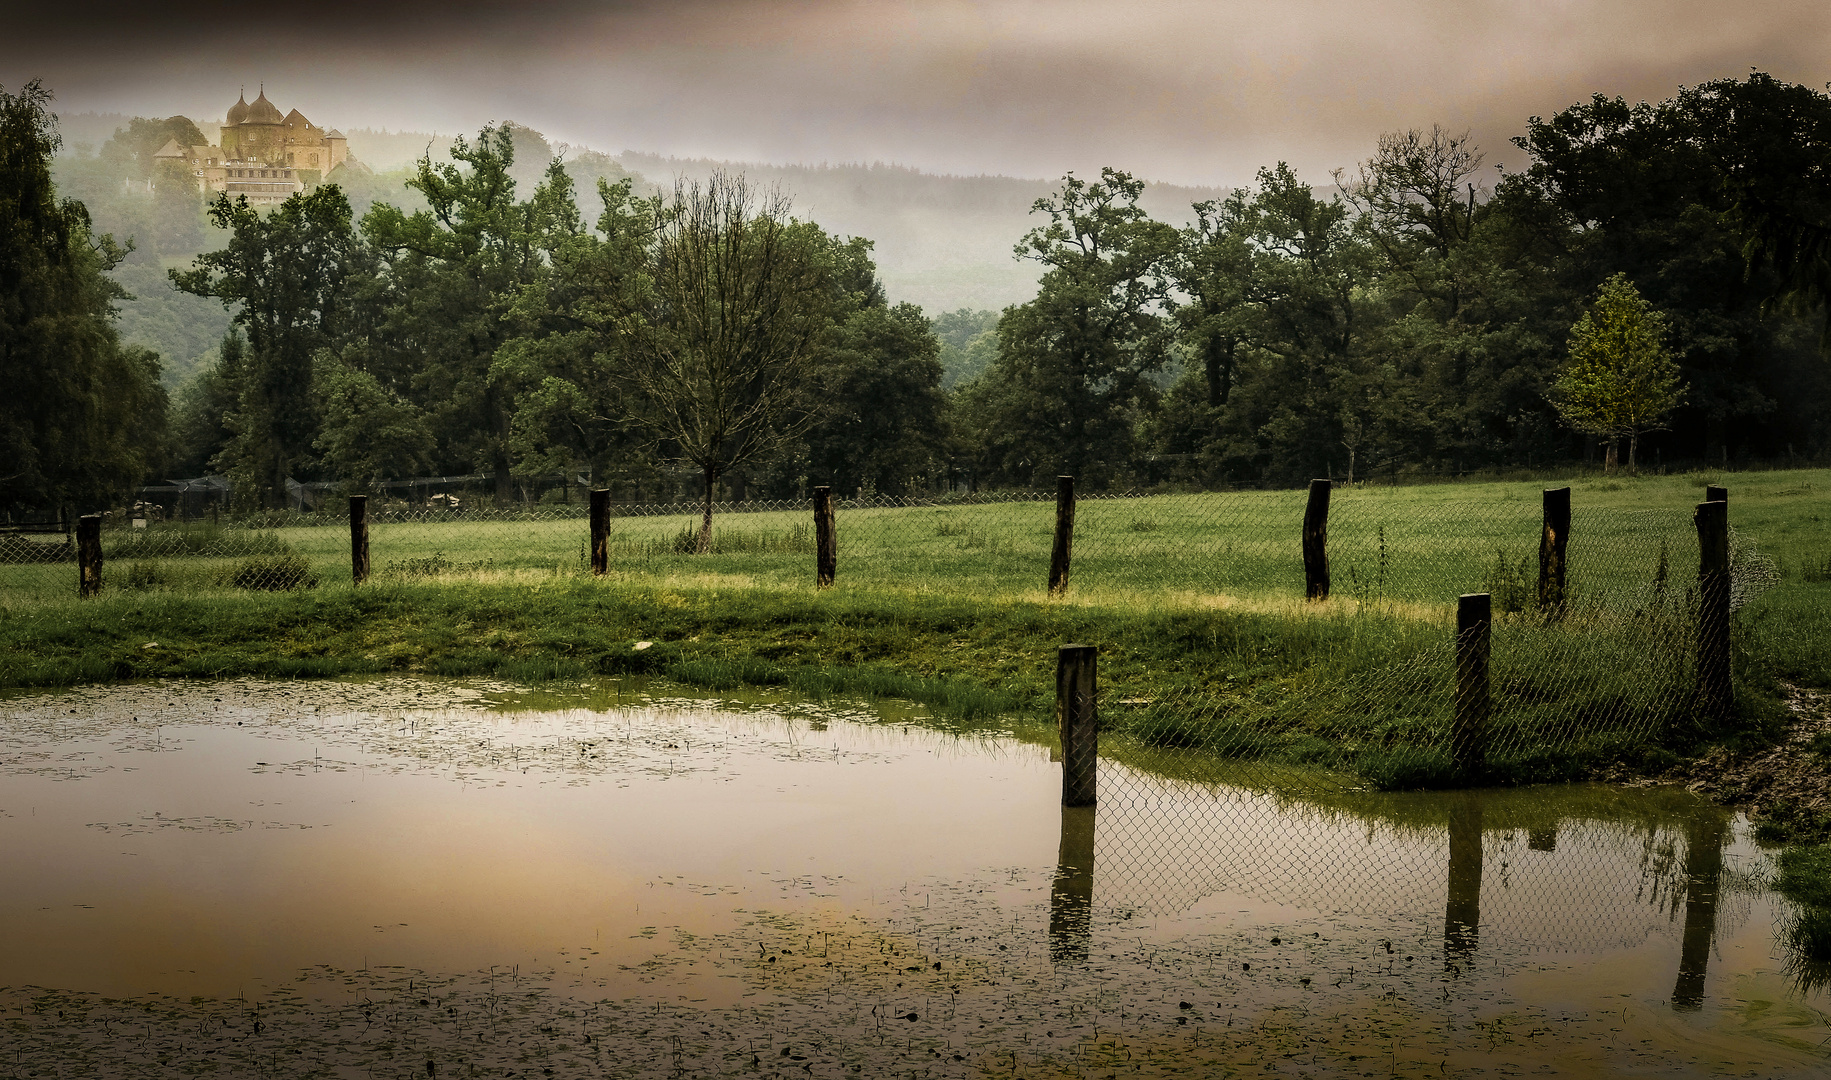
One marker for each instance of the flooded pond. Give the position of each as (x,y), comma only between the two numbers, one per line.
(430,878)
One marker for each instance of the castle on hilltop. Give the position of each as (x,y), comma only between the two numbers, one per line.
(261,154)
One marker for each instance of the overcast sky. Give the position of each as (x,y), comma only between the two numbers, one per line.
(1175,90)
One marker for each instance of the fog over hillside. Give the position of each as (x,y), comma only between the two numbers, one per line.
(944,242)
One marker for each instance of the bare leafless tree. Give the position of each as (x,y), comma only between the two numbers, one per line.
(1418,195)
(723,356)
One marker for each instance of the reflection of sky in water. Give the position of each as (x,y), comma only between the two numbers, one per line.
(217,839)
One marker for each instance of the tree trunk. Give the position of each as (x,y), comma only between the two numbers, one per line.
(505,484)
(1613,457)
(1633,453)
(279,479)
(705,524)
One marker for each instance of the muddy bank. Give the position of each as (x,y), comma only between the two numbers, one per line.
(1785,788)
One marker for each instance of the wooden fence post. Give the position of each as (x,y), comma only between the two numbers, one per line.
(1713,493)
(359,538)
(1474,628)
(826,539)
(1554,541)
(600,531)
(1077,722)
(1713,675)
(1063,550)
(89,555)
(1316,542)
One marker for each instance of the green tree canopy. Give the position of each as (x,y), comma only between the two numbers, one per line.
(83,417)
(289,275)
(1621,381)
(1073,375)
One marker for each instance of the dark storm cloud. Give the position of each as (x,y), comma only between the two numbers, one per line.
(1174,89)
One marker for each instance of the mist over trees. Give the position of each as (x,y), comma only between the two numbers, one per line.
(526,310)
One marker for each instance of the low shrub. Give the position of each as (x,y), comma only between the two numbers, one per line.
(274,573)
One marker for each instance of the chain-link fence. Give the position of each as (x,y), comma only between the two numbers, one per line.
(1604,659)
(1385,546)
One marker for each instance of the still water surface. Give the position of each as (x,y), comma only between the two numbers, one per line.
(625,883)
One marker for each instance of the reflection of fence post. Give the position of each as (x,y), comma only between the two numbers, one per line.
(1704,837)
(600,531)
(89,555)
(1071,897)
(1060,554)
(826,538)
(1474,627)
(359,539)
(1462,905)
(1077,722)
(1553,542)
(1713,685)
(1316,542)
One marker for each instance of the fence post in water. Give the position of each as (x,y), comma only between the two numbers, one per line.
(1713,677)
(359,538)
(1474,629)
(1554,540)
(1077,722)
(600,531)
(826,539)
(89,555)
(1316,542)
(1063,550)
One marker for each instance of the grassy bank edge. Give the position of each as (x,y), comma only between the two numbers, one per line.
(965,662)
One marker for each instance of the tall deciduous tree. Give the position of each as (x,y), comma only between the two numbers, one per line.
(724,353)
(290,275)
(1621,381)
(457,268)
(571,346)
(82,417)
(1074,367)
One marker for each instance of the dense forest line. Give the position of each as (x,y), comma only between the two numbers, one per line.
(507,310)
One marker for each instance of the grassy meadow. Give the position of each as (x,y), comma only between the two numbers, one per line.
(1209,652)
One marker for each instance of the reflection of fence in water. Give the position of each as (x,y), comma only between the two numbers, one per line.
(1569,869)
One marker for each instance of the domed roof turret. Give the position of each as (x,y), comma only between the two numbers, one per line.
(238,112)
(263,111)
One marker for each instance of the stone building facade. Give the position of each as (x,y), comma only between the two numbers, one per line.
(261,154)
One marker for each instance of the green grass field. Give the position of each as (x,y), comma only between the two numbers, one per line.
(1209,651)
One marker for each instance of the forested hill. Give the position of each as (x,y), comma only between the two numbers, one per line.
(943,242)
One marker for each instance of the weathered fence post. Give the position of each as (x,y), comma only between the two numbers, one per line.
(826,538)
(1554,541)
(1077,722)
(1063,551)
(1316,542)
(1713,676)
(1474,629)
(600,531)
(1713,493)
(89,555)
(359,538)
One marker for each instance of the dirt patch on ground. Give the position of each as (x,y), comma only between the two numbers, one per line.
(1786,788)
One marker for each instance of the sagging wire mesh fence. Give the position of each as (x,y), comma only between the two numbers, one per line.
(1605,660)
(1204,548)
